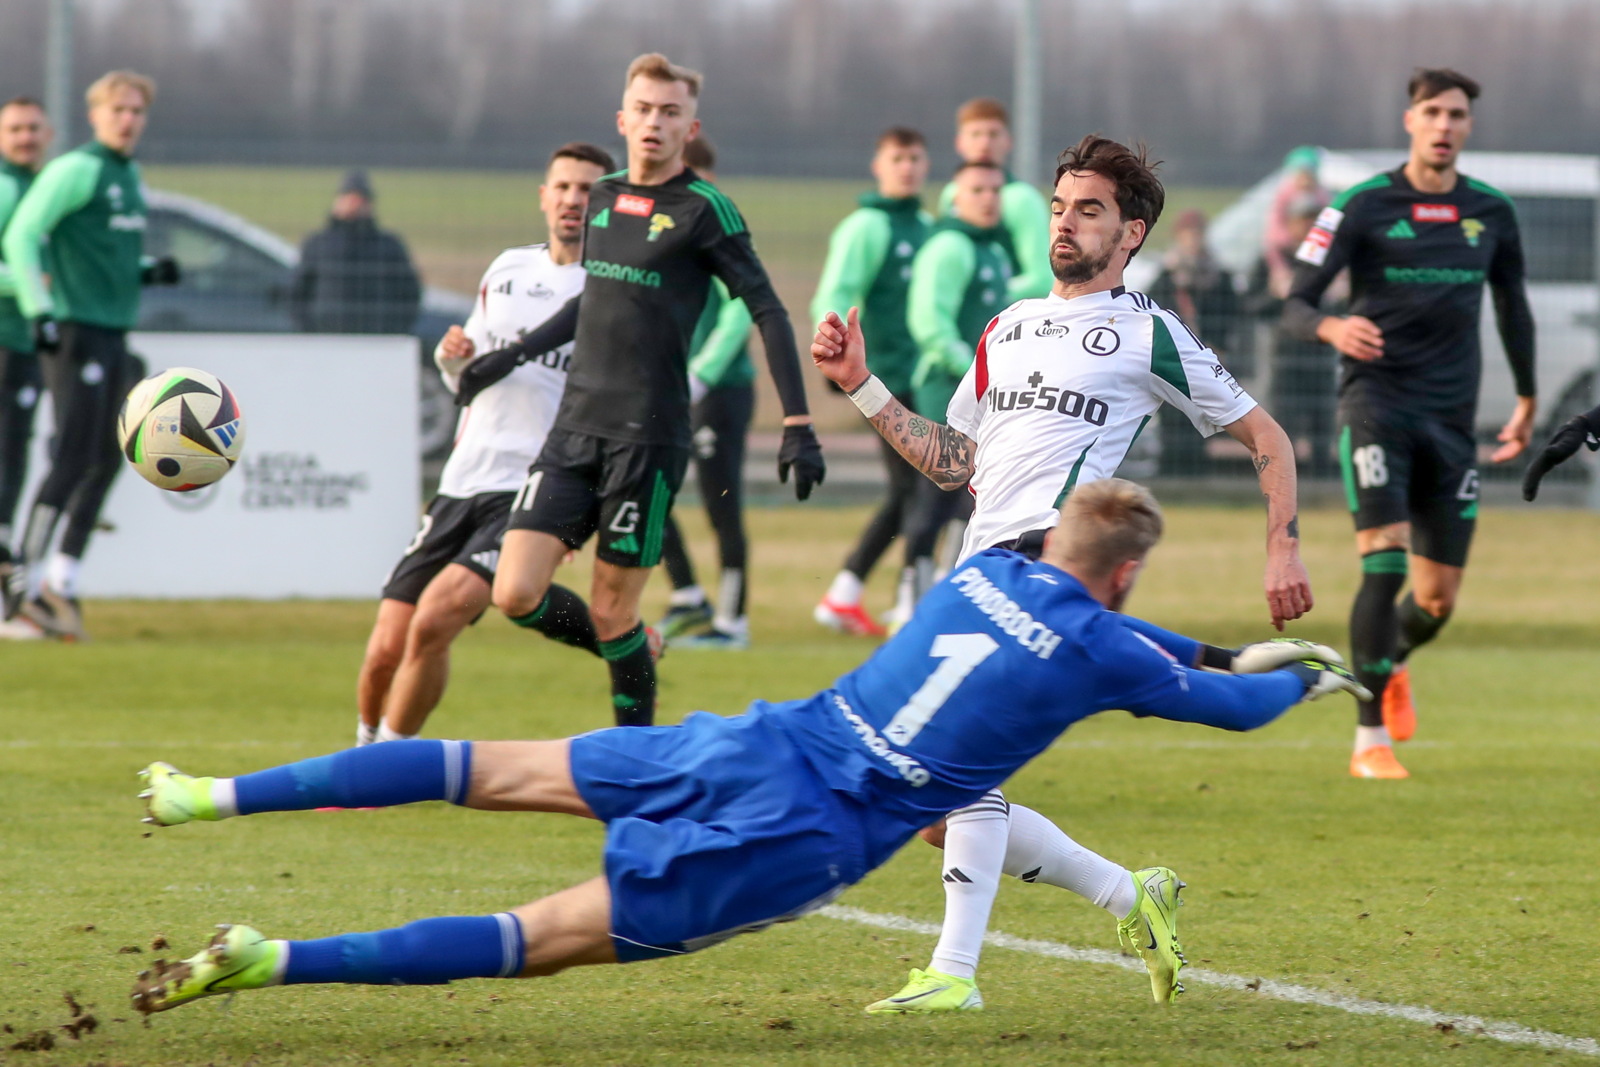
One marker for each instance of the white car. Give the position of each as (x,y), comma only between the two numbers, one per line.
(1556,199)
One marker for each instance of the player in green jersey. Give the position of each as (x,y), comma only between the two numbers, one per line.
(983,135)
(24,141)
(723,398)
(869,267)
(1421,242)
(958,285)
(88,206)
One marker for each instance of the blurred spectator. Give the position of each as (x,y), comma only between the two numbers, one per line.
(1299,181)
(1194,286)
(1301,394)
(352,276)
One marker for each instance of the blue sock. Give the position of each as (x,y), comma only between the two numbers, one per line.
(426,952)
(374,776)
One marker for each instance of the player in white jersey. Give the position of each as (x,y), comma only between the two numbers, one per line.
(443,582)
(1059,389)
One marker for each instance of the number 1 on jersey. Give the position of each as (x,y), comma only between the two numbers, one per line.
(961,654)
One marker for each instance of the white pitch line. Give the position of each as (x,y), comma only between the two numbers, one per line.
(1510,1033)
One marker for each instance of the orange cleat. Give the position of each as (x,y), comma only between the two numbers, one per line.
(847,618)
(1399,713)
(1377,761)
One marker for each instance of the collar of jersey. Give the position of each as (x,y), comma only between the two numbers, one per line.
(1105,297)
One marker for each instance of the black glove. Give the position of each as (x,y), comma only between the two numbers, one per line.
(802,451)
(1579,430)
(488,369)
(46,334)
(163,271)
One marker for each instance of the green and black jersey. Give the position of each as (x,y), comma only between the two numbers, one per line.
(1418,263)
(650,252)
(15,334)
(89,203)
(869,267)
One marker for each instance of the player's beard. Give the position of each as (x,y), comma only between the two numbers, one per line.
(1081,268)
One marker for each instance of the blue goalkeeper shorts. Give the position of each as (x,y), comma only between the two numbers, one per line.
(714,827)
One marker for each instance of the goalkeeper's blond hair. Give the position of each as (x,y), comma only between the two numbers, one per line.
(1104,524)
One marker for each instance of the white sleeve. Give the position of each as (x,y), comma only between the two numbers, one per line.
(1190,377)
(966,411)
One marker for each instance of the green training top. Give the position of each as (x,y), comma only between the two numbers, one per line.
(15,333)
(1026,218)
(869,267)
(89,203)
(958,284)
(720,348)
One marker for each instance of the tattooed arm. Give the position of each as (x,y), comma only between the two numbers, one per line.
(941,452)
(1288,587)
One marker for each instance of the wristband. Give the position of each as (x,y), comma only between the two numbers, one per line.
(872,396)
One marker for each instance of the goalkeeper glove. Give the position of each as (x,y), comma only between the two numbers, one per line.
(1579,430)
(1273,655)
(802,451)
(1322,677)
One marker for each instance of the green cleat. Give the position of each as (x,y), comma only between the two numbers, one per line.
(174,797)
(238,957)
(1150,930)
(930,991)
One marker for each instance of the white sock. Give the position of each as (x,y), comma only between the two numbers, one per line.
(223,798)
(1038,851)
(845,590)
(692,597)
(61,574)
(365,735)
(974,853)
(1367,736)
(730,595)
(386,734)
(905,594)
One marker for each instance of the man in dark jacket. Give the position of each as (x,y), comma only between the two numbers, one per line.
(354,277)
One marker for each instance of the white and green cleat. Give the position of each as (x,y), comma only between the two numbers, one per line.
(238,957)
(1150,930)
(931,991)
(172,797)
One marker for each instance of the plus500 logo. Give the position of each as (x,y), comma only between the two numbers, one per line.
(1072,404)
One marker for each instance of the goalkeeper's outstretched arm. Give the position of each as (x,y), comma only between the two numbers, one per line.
(941,452)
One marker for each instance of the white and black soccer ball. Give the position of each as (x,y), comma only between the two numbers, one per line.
(181,429)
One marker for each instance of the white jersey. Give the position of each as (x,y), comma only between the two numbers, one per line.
(1059,390)
(499,436)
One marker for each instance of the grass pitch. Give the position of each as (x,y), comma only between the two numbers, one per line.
(1470,888)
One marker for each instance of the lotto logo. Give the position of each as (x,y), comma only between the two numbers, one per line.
(1435,213)
(641,206)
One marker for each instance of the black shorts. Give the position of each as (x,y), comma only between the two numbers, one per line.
(453,531)
(1405,466)
(581,484)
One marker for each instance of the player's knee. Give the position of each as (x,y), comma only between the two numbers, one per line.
(433,629)
(517,599)
(1436,602)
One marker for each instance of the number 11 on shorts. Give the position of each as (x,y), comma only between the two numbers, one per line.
(961,654)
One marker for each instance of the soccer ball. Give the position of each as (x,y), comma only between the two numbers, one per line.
(181,429)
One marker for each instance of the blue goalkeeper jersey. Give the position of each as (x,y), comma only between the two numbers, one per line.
(998,660)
